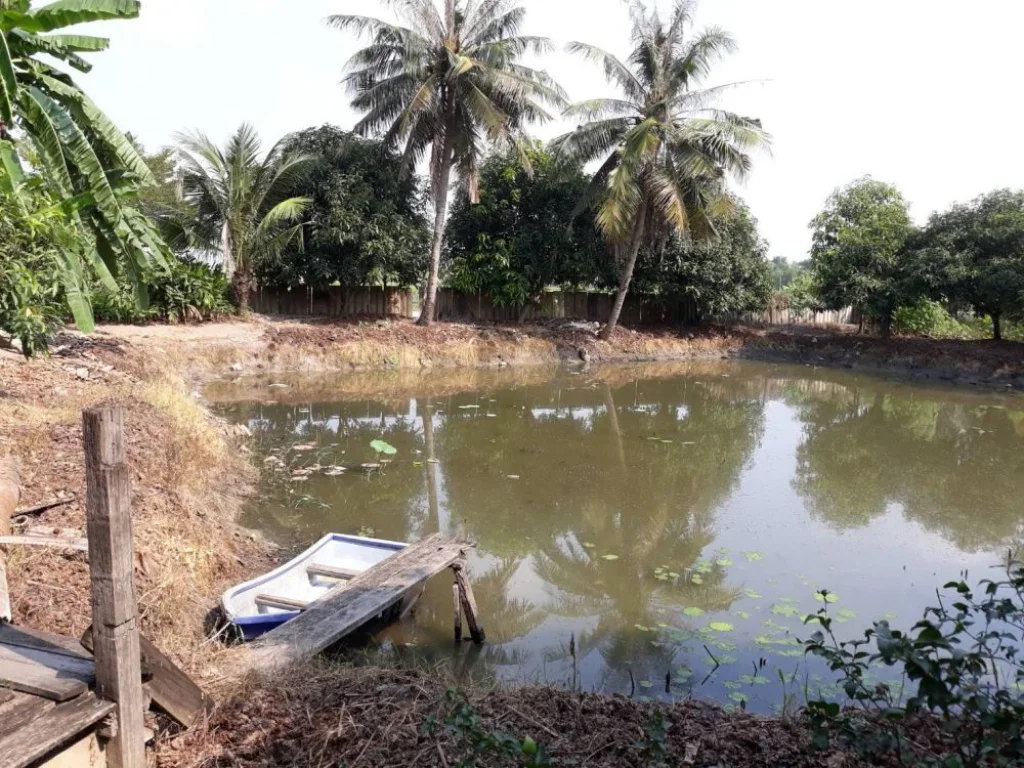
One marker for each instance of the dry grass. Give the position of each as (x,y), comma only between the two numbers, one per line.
(188,483)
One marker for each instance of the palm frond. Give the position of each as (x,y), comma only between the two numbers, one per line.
(615,70)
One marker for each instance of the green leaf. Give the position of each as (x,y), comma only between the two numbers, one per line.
(8,82)
(825,596)
(693,611)
(75,292)
(721,626)
(753,556)
(381,447)
(36,111)
(66,13)
(12,174)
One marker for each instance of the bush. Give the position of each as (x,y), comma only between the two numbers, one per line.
(928,318)
(190,292)
(963,657)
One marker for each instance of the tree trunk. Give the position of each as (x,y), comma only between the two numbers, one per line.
(627,271)
(429,311)
(885,326)
(241,282)
(997,326)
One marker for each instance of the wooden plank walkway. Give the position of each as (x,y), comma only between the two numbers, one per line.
(33,662)
(31,727)
(352,603)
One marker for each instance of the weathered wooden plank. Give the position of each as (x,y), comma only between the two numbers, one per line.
(10,495)
(457,612)
(50,675)
(331,572)
(170,688)
(17,710)
(53,729)
(60,542)
(111,570)
(23,637)
(351,604)
(476,630)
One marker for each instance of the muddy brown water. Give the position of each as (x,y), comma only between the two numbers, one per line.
(638,525)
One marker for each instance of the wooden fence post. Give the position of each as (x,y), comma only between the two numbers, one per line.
(111,563)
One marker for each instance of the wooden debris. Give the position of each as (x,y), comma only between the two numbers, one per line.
(457,612)
(171,689)
(50,729)
(476,630)
(59,542)
(331,572)
(51,675)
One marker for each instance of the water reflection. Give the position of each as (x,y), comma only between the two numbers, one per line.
(664,519)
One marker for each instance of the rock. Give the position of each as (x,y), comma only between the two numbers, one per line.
(236,367)
(82,373)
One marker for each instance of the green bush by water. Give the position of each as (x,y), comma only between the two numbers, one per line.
(963,668)
(190,292)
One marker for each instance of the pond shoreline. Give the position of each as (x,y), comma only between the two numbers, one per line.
(154,371)
(269,346)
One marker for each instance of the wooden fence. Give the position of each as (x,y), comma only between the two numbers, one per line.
(456,306)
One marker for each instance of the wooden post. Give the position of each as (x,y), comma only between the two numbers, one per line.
(457,607)
(111,561)
(476,630)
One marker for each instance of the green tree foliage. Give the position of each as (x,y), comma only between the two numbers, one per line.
(85,163)
(243,203)
(449,82)
(32,243)
(665,152)
(365,222)
(785,272)
(973,255)
(858,253)
(186,292)
(516,241)
(725,274)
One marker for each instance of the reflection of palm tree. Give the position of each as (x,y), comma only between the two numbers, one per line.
(427,411)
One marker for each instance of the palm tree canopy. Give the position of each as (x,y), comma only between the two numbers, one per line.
(242,200)
(448,79)
(665,150)
(85,162)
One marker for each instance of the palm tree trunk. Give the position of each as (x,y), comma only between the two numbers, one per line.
(627,271)
(429,311)
(241,282)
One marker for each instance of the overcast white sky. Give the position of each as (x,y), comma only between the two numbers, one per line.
(922,93)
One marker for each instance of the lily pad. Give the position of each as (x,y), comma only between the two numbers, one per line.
(382,447)
(753,594)
(721,626)
(828,597)
(741,614)
(753,556)
(609,557)
(697,579)
(693,611)
(782,609)
(724,562)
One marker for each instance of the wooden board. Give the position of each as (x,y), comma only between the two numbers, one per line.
(50,675)
(351,604)
(19,710)
(52,729)
(58,542)
(23,637)
(282,603)
(171,689)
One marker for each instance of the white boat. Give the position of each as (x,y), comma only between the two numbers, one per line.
(268,601)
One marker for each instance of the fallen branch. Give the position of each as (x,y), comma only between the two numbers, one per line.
(46,541)
(40,508)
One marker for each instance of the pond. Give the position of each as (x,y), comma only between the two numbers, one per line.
(659,530)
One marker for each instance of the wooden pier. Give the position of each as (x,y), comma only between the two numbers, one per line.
(368,595)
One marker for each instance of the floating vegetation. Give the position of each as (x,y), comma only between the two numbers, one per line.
(702,566)
(753,680)
(739,697)
(383,448)
(609,557)
(724,562)
(783,609)
(753,557)
(826,596)
(741,614)
(693,611)
(752,594)
(721,626)
(697,579)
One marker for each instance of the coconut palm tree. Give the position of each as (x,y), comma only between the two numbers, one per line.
(449,82)
(666,152)
(83,162)
(243,202)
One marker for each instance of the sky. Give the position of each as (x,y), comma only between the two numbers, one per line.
(921,93)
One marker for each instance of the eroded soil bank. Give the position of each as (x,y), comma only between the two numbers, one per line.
(274,346)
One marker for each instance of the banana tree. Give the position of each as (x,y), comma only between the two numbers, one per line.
(86,164)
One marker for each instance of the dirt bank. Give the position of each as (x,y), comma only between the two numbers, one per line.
(263,346)
(188,483)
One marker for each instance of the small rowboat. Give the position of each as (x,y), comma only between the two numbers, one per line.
(266,602)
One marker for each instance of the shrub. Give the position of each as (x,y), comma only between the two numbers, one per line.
(190,292)
(963,657)
(928,318)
